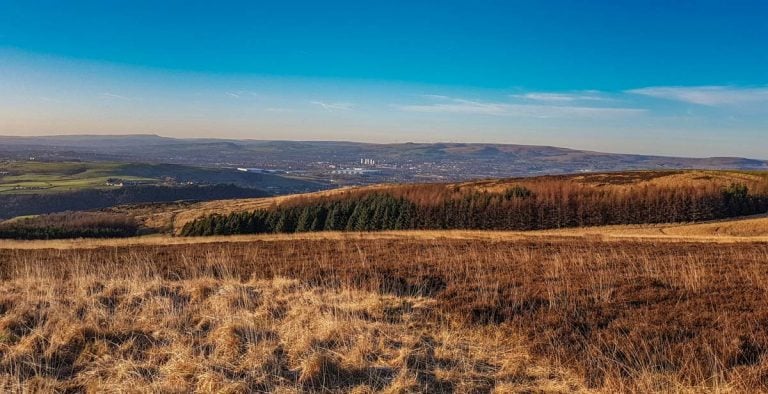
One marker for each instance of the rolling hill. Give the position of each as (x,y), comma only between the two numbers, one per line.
(172,217)
(21,177)
(34,187)
(409,162)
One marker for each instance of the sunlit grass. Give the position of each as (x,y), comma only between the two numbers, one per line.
(406,312)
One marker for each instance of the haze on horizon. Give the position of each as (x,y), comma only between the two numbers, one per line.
(682,78)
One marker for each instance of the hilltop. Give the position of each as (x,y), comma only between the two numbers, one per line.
(400,162)
(576,202)
(172,217)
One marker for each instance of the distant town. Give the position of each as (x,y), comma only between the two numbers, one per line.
(340,163)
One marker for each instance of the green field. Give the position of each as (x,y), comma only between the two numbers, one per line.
(32,177)
(37,177)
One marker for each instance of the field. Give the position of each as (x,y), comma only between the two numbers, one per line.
(32,177)
(740,230)
(752,227)
(397,312)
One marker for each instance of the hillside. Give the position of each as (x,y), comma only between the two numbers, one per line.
(35,177)
(749,227)
(630,308)
(404,162)
(175,216)
(33,187)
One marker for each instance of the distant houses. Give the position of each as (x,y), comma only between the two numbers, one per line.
(114,182)
(258,170)
(118,182)
(354,171)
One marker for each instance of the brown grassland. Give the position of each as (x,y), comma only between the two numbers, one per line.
(171,217)
(623,308)
(558,311)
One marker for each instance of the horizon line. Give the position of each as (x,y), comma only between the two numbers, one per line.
(377,143)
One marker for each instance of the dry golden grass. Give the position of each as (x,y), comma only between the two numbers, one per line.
(395,313)
(641,308)
(671,178)
(739,230)
(139,333)
(746,227)
(753,228)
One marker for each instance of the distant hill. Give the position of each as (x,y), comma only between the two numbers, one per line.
(35,187)
(36,177)
(403,162)
(14,205)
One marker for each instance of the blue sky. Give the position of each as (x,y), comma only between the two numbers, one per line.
(682,77)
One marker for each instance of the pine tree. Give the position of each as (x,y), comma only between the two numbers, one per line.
(305,220)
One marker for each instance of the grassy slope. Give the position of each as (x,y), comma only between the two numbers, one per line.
(409,313)
(166,217)
(38,177)
(615,309)
(658,234)
(751,227)
(170,217)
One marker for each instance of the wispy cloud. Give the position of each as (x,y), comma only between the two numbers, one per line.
(339,106)
(114,96)
(458,106)
(559,97)
(241,93)
(463,106)
(434,96)
(707,95)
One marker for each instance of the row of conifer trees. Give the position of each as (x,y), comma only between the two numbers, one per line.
(516,208)
(374,212)
(71,225)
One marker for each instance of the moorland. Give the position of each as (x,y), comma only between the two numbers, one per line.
(399,312)
(642,306)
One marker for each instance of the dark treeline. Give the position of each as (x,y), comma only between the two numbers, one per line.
(71,225)
(12,205)
(369,213)
(551,205)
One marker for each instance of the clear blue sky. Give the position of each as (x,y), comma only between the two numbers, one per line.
(672,77)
